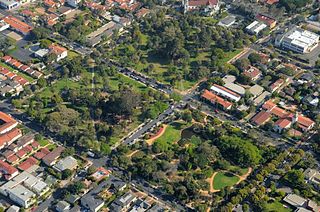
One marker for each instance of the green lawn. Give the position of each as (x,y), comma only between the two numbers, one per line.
(238,170)
(276,206)
(173,132)
(72,54)
(43,142)
(223,179)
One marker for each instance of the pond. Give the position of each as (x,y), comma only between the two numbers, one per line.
(189,132)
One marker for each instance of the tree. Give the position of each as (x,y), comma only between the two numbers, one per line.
(66,174)
(254,58)
(242,64)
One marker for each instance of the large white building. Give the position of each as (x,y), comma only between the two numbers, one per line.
(255,27)
(298,40)
(225,92)
(9,4)
(24,189)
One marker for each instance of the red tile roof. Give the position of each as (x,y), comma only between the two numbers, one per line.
(305,121)
(17,24)
(21,153)
(39,155)
(27,148)
(11,136)
(252,72)
(270,2)
(7,169)
(45,150)
(6,58)
(216,99)
(56,49)
(35,144)
(52,156)
(265,19)
(25,165)
(283,123)
(261,118)
(198,3)
(13,158)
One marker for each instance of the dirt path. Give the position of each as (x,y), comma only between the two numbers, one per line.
(243,177)
(243,52)
(132,153)
(210,180)
(151,140)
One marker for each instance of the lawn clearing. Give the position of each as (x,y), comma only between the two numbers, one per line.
(43,142)
(238,170)
(224,179)
(276,206)
(173,132)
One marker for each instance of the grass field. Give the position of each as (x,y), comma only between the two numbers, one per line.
(238,170)
(223,179)
(276,206)
(173,132)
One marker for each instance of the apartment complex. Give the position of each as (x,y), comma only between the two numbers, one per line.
(298,40)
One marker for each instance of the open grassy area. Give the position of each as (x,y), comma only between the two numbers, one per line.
(223,179)
(43,142)
(238,170)
(173,132)
(276,206)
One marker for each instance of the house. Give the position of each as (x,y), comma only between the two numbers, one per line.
(256,90)
(62,206)
(59,51)
(51,158)
(227,21)
(313,206)
(216,100)
(7,123)
(313,177)
(282,124)
(255,27)
(210,6)
(253,73)
(18,25)
(276,85)
(261,118)
(100,174)
(270,22)
(295,200)
(7,170)
(66,163)
(73,3)
(304,123)
(3,25)
(91,202)
(124,202)
(10,137)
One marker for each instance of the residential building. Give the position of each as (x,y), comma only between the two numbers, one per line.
(276,85)
(3,25)
(66,163)
(261,118)
(210,6)
(73,3)
(7,123)
(124,202)
(313,177)
(100,174)
(253,73)
(62,206)
(282,124)
(92,203)
(270,22)
(227,21)
(9,4)
(255,27)
(50,159)
(17,25)
(220,90)
(298,40)
(295,200)
(235,88)
(256,90)
(59,51)
(7,170)
(216,100)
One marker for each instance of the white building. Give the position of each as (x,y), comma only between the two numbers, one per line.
(223,91)
(3,25)
(73,3)
(210,6)
(9,4)
(298,40)
(255,27)
(24,189)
